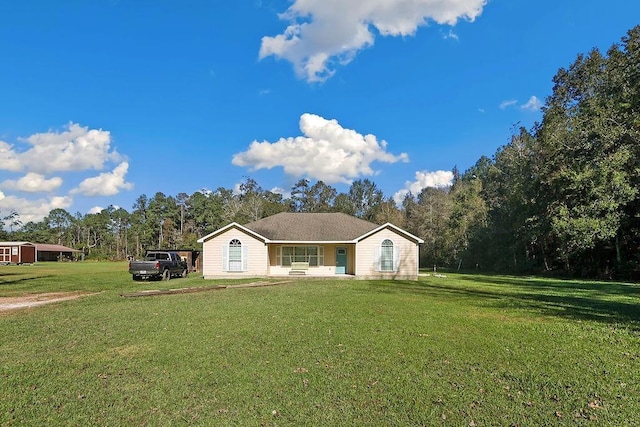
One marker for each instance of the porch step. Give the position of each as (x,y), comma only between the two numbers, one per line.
(297,273)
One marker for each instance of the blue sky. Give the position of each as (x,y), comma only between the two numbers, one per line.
(104,100)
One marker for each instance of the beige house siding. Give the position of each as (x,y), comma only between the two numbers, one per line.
(256,251)
(366,267)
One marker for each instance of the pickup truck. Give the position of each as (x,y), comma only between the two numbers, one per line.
(158,265)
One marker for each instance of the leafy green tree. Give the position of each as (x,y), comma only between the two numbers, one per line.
(59,222)
(590,165)
(12,220)
(206,211)
(366,198)
(389,212)
(141,227)
(318,197)
(274,203)
(428,218)
(97,234)
(119,226)
(342,203)
(468,215)
(36,232)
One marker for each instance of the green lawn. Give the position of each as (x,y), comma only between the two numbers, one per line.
(457,350)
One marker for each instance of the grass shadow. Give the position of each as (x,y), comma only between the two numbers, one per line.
(611,303)
(16,281)
(563,285)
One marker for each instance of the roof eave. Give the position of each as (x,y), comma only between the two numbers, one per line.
(315,242)
(228,226)
(395,227)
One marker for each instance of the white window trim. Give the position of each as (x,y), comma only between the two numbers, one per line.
(280,256)
(225,257)
(378,257)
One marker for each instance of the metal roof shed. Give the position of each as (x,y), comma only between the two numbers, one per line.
(47,252)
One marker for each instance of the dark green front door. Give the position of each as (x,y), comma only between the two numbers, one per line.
(341,260)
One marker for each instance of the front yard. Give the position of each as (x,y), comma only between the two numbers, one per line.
(456,350)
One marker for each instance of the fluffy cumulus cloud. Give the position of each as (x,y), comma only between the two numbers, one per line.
(95,210)
(76,148)
(533,104)
(105,184)
(326,152)
(33,183)
(323,33)
(34,210)
(424,179)
(36,164)
(9,160)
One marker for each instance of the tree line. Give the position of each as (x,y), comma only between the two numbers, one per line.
(561,197)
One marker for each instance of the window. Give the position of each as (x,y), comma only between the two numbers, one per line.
(314,255)
(4,255)
(386,256)
(235,255)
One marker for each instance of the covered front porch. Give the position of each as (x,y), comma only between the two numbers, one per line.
(312,260)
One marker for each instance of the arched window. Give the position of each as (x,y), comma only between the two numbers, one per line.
(235,255)
(386,255)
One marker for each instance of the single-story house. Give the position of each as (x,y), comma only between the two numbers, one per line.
(17,253)
(47,252)
(311,244)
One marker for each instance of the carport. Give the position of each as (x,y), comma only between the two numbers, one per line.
(47,252)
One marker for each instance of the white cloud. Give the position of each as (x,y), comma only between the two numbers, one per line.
(33,183)
(451,35)
(236,189)
(279,190)
(533,104)
(323,33)
(33,210)
(424,179)
(9,158)
(105,184)
(95,210)
(75,149)
(326,152)
(508,103)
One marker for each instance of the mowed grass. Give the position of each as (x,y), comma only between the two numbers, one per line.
(457,350)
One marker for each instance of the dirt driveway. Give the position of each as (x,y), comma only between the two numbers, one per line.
(35,300)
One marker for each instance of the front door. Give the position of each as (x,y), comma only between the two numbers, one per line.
(341,260)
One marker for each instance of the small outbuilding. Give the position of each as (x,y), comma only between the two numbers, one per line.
(47,252)
(17,253)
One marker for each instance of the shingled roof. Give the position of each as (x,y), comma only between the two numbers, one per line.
(44,247)
(312,227)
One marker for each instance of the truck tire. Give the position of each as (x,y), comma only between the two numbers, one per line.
(166,275)
(184,274)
